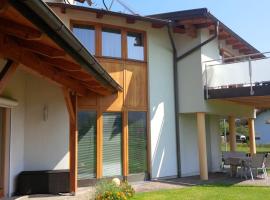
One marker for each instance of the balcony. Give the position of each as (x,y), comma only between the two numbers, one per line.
(243,79)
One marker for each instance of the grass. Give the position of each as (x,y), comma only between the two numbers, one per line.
(245,148)
(215,192)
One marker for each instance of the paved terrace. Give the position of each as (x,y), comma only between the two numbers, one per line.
(147,186)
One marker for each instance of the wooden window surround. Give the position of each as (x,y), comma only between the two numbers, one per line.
(124,32)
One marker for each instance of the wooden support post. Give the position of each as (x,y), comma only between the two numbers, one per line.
(252,141)
(7,73)
(202,146)
(232,132)
(71,103)
(125,144)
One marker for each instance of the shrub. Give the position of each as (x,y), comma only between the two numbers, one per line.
(107,190)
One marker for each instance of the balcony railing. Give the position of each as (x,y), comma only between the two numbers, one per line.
(249,72)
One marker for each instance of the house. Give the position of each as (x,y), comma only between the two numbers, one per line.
(105,94)
(262,127)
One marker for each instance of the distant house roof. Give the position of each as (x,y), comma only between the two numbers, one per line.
(201,16)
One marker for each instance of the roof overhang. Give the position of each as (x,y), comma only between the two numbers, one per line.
(31,34)
(188,21)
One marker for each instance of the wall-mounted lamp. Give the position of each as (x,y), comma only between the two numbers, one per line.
(45,112)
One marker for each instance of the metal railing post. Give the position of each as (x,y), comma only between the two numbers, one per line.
(250,76)
(206,82)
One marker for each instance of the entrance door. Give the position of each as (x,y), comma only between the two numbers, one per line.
(3,122)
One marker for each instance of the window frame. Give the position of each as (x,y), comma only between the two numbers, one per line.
(124,30)
(90,27)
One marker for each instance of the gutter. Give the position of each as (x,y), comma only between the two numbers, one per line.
(176,59)
(44,18)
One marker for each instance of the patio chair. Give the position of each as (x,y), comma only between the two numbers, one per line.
(256,163)
(266,165)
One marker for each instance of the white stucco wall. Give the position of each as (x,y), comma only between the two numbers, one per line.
(46,143)
(34,143)
(189,144)
(161,105)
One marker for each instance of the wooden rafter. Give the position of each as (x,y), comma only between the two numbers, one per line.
(191,30)
(61,63)
(179,30)
(9,49)
(19,30)
(238,46)
(69,105)
(41,48)
(231,41)
(7,73)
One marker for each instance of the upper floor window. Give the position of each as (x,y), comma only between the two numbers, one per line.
(86,35)
(111,43)
(135,46)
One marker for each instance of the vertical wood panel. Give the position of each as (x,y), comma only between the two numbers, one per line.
(136,85)
(98,40)
(73,147)
(125,143)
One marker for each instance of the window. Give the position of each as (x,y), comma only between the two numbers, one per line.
(86,35)
(112,144)
(135,45)
(137,142)
(86,145)
(111,43)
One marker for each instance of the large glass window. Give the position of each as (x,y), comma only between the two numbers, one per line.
(86,145)
(112,144)
(86,35)
(137,142)
(111,43)
(135,46)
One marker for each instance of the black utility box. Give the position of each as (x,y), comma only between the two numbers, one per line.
(43,182)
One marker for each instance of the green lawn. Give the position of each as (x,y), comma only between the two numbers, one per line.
(245,148)
(208,193)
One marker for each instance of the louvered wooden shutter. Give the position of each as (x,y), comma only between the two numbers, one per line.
(86,145)
(137,142)
(112,144)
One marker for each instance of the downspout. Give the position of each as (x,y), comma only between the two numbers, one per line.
(176,100)
(176,59)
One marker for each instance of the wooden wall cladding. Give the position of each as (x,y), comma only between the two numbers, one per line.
(132,76)
(135,85)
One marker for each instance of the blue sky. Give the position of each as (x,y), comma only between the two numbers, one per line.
(248,18)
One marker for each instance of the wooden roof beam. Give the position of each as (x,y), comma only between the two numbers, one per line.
(9,49)
(179,30)
(7,73)
(21,31)
(130,20)
(99,15)
(191,30)
(194,21)
(61,63)
(238,46)
(231,41)
(41,48)
(157,25)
